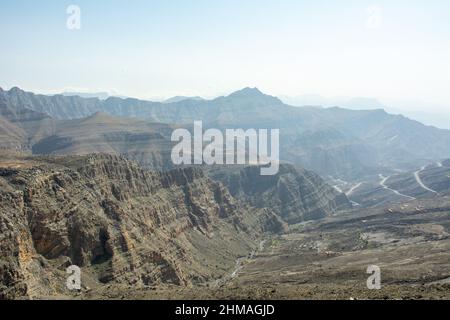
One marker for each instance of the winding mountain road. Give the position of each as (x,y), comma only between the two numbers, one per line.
(350,192)
(419,180)
(384,186)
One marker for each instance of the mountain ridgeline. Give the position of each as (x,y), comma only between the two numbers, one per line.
(331,141)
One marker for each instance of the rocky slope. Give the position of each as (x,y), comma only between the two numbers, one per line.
(26,130)
(21,127)
(11,136)
(121,224)
(147,143)
(294,194)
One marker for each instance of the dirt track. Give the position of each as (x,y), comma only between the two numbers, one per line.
(328,259)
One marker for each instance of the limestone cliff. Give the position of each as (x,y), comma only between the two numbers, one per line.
(295,194)
(121,224)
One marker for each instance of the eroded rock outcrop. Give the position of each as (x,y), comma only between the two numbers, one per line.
(294,194)
(120,224)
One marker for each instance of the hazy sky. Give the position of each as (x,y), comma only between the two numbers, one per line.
(393,50)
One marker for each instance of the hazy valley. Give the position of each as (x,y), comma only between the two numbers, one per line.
(90,182)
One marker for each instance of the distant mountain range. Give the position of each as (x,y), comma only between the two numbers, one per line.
(331,141)
(106,95)
(359,103)
(71,196)
(182,98)
(99,95)
(412,109)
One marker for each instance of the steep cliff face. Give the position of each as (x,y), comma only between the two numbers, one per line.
(294,194)
(119,223)
(20,266)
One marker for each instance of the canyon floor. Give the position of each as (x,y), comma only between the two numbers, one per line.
(328,259)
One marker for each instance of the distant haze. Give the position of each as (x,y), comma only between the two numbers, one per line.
(391,50)
(424,112)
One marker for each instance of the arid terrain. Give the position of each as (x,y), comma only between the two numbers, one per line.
(224,150)
(328,259)
(84,183)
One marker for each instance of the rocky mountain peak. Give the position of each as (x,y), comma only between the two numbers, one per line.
(248,93)
(182,98)
(253,95)
(16,90)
